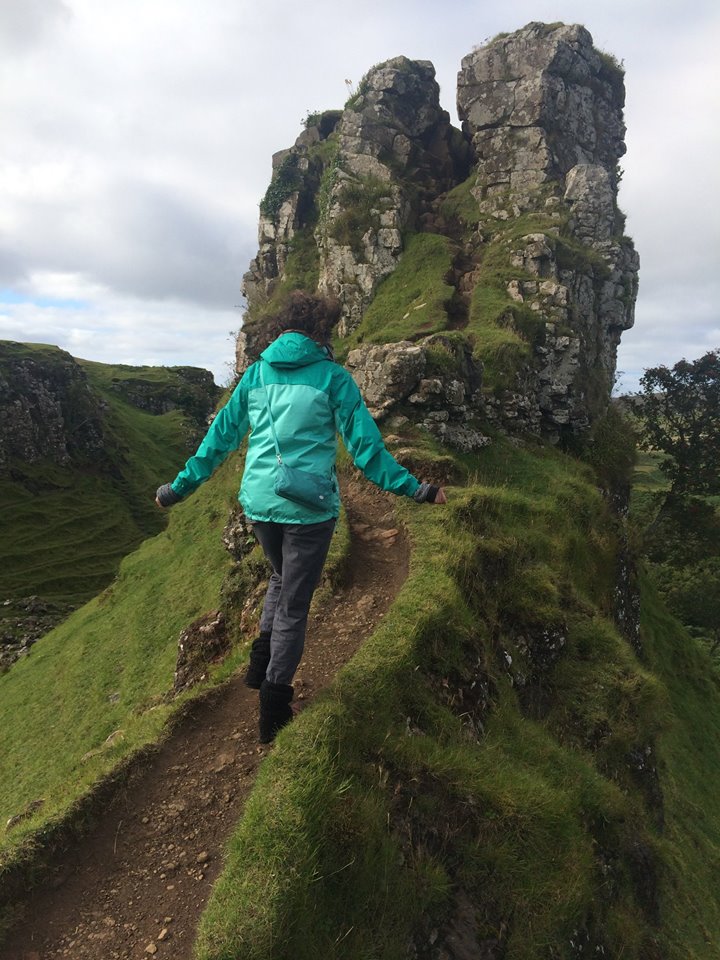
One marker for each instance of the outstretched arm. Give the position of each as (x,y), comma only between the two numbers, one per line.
(367,448)
(224,435)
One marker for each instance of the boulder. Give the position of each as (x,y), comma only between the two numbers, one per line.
(386,374)
(536,103)
(435,380)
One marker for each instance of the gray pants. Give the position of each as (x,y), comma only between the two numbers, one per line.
(297,553)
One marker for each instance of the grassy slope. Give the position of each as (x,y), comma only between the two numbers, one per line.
(648,483)
(688,753)
(689,763)
(413,300)
(394,792)
(69,527)
(108,665)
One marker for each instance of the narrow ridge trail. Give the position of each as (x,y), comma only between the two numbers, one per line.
(136,884)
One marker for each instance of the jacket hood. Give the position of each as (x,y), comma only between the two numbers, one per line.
(294,350)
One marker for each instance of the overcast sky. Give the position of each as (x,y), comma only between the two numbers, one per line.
(137,137)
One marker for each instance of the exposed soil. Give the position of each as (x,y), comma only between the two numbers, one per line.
(136,884)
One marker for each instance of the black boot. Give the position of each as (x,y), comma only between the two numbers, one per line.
(275,709)
(259,660)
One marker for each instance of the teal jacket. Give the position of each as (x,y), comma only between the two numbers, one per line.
(312,400)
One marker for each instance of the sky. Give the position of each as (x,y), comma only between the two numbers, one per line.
(137,138)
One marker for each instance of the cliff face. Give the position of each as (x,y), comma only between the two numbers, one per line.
(82,448)
(47,408)
(351,187)
(51,412)
(529,266)
(538,102)
(396,152)
(543,110)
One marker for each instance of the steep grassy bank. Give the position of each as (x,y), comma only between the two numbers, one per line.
(106,670)
(99,688)
(496,762)
(689,764)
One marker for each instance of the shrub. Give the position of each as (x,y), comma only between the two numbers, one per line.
(362,201)
(285,181)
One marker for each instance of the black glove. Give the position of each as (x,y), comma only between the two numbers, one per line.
(167,496)
(425,493)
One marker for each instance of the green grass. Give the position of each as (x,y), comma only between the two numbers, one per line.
(461,203)
(503,330)
(108,666)
(191,390)
(681,546)
(648,473)
(68,527)
(445,758)
(689,762)
(395,791)
(648,488)
(412,302)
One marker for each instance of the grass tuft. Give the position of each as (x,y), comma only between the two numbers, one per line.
(412,302)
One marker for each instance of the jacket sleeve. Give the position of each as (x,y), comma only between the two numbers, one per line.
(364,441)
(225,434)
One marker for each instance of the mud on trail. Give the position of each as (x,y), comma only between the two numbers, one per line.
(136,884)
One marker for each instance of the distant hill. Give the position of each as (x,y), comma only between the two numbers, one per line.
(83,445)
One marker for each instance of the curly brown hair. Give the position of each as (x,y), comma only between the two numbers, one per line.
(309,314)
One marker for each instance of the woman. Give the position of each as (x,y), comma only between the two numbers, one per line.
(295,400)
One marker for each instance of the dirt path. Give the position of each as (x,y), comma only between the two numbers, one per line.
(136,885)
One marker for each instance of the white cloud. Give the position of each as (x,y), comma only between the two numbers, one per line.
(24,23)
(137,140)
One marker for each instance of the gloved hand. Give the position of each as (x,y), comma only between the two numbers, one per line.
(427,493)
(166,496)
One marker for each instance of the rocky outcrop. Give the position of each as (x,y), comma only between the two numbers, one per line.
(237,536)
(387,374)
(350,186)
(191,390)
(60,428)
(393,135)
(435,382)
(48,410)
(537,103)
(545,282)
(22,623)
(289,206)
(543,109)
(201,644)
